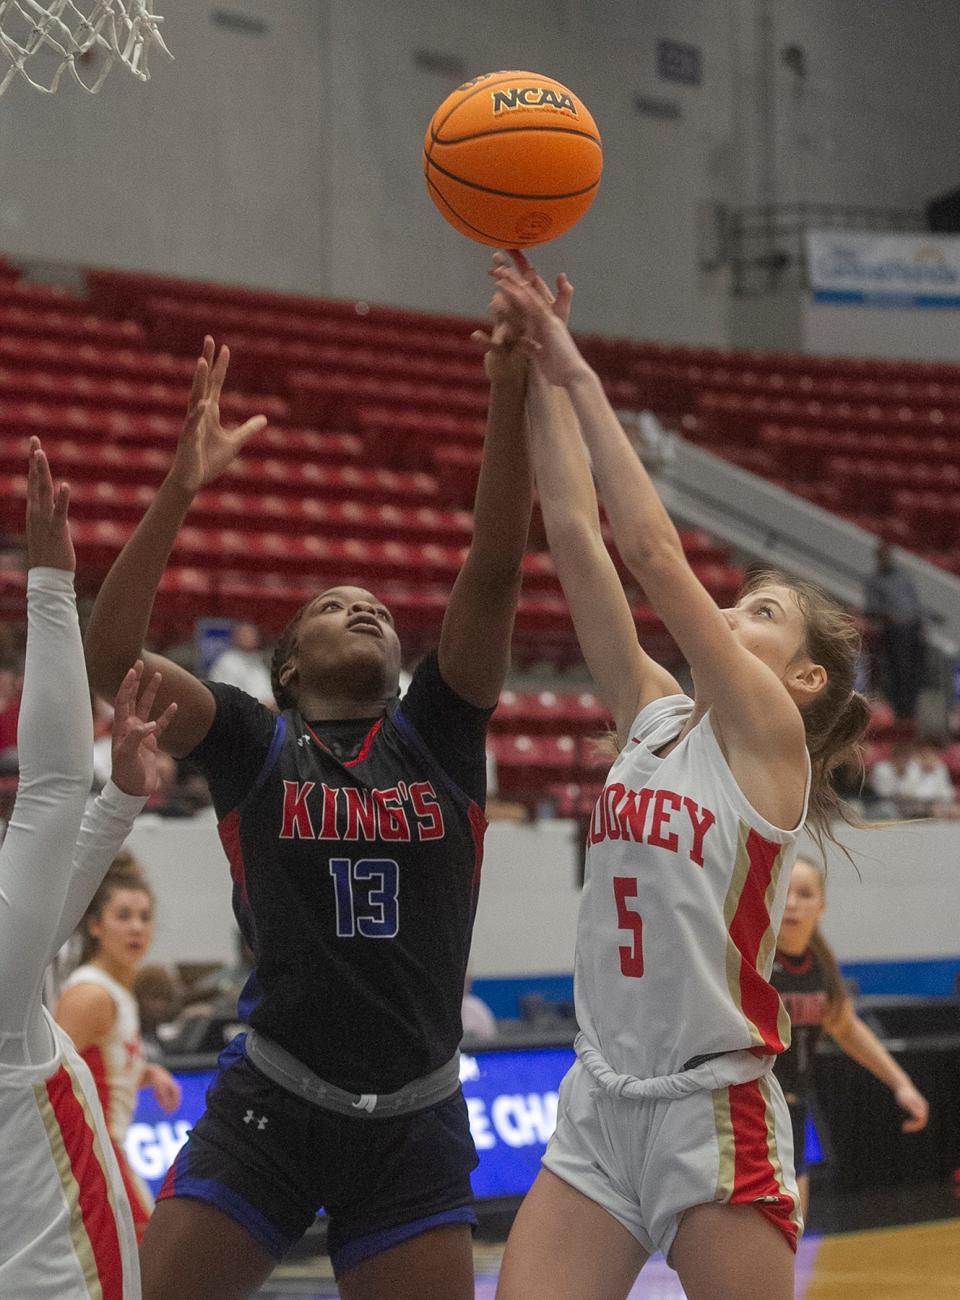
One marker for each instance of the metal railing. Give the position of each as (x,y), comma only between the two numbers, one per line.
(764,244)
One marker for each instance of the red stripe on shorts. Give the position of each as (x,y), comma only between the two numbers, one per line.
(95,1208)
(755,1180)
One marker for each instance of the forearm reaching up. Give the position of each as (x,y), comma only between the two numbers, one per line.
(106,824)
(55,745)
(626,677)
(55,748)
(121,615)
(474,651)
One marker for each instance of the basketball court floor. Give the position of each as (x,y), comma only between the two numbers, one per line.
(899,1261)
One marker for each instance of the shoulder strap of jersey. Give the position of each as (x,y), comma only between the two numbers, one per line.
(412,737)
(273,753)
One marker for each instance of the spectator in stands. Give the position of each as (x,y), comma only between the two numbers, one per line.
(242,665)
(159,998)
(892,603)
(479,1022)
(916,781)
(886,777)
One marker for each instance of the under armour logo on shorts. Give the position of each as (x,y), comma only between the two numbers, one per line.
(250,1118)
(368,1101)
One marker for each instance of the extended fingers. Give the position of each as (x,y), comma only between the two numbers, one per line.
(43,480)
(201,373)
(136,733)
(149,695)
(61,503)
(252,426)
(164,720)
(219,373)
(127,693)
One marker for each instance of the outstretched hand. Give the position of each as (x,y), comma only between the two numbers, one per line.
(545,336)
(503,354)
(206,448)
(48,531)
(134,742)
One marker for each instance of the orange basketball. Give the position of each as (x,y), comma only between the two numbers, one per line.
(512,159)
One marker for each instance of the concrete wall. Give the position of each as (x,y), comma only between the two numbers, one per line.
(289,157)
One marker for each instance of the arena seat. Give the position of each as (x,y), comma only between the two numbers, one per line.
(40,322)
(380,489)
(525,764)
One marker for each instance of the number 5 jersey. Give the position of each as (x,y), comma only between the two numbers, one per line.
(684,892)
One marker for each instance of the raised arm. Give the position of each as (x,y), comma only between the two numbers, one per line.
(474,651)
(751,704)
(626,677)
(121,614)
(55,749)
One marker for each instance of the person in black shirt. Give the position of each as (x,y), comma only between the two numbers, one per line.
(806,975)
(354,825)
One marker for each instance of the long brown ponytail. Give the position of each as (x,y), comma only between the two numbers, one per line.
(837,720)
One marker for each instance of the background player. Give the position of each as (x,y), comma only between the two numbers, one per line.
(65,1227)
(354,829)
(98,1009)
(671,1134)
(806,975)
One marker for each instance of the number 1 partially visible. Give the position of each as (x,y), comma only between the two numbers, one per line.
(631,957)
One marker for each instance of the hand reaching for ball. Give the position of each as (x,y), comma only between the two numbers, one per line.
(504,356)
(541,316)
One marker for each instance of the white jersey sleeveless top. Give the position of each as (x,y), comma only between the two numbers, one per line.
(117,1063)
(66,1231)
(684,891)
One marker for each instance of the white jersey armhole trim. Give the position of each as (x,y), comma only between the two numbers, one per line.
(654,714)
(743,805)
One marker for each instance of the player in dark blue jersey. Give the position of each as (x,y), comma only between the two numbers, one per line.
(354,829)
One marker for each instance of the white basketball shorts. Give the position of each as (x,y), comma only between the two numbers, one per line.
(647,1161)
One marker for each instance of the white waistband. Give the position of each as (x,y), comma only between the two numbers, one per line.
(720,1072)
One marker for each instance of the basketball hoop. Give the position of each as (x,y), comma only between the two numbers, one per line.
(41,40)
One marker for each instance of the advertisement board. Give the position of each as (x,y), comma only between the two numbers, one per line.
(881,270)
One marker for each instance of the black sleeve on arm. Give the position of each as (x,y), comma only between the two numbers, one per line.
(453,729)
(232,753)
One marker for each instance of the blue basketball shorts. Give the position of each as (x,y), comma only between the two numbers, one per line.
(271,1160)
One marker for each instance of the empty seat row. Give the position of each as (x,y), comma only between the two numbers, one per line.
(142,395)
(742,417)
(124,503)
(30,321)
(74,459)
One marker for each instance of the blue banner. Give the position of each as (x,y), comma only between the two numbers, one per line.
(880,270)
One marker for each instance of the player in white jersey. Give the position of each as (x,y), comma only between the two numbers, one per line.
(65,1228)
(98,1010)
(672,1134)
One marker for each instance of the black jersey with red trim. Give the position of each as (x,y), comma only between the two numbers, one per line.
(802,986)
(355,850)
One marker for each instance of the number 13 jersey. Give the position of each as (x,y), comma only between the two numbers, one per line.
(685,886)
(355,851)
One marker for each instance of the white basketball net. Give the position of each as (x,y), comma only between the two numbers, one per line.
(85,37)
